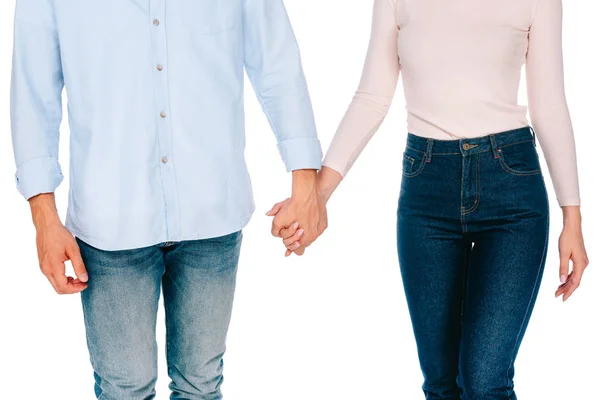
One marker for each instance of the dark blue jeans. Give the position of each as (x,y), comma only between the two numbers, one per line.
(120,307)
(472,241)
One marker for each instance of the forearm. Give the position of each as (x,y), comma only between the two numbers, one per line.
(43,211)
(329,180)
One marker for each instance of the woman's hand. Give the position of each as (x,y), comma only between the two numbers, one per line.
(571,248)
(328,180)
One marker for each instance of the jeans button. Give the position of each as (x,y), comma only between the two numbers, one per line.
(466,146)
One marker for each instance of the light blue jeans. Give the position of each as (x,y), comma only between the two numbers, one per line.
(120,307)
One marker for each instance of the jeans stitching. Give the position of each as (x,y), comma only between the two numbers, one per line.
(529,305)
(476,203)
(514,143)
(515,172)
(417,172)
(463,221)
(420,151)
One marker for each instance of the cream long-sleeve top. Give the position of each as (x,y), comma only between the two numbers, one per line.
(461,64)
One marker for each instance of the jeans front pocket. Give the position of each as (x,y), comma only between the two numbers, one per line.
(413,162)
(520,158)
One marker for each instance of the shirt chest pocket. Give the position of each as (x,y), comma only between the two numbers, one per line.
(210,16)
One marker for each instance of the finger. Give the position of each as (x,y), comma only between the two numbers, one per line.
(75,256)
(276,227)
(566,289)
(288,253)
(562,289)
(300,251)
(287,233)
(294,240)
(306,243)
(275,209)
(565,258)
(73,280)
(574,282)
(61,283)
(294,246)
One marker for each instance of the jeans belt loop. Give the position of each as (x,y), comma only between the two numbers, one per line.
(533,133)
(429,150)
(494,145)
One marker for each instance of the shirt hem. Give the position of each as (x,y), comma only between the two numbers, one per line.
(202,235)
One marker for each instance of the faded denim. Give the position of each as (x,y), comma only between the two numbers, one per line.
(120,307)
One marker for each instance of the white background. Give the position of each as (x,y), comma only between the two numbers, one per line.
(334,324)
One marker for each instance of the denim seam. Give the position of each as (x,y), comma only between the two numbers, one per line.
(420,151)
(445,154)
(514,143)
(529,305)
(477,187)
(463,221)
(417,172)
(515,172)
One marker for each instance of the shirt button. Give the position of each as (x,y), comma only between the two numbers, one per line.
(164,160)
(156,22)
(159,67)
(163,114)
(466,146)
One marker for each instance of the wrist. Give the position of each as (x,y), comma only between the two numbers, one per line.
(304,182)
(328,182)
(571,217)
(43,211)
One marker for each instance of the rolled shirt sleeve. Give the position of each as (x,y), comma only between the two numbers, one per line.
(273,64)
(36,98)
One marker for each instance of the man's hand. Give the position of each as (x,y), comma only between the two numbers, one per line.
(305,208)
(55,245)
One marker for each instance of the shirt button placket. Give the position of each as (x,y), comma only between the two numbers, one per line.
(161,103)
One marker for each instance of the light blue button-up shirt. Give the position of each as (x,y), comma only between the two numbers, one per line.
(155,90)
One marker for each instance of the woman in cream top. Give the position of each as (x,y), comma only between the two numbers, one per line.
(473,210)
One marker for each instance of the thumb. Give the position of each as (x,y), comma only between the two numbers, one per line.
(75,256)
(565,257)
(275,209)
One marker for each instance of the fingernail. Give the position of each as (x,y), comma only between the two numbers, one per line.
(563,278)
(300,232)
(296,245)
(296,225)
(84,277)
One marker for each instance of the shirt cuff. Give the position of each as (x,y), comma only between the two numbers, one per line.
(301,153)
(37,176)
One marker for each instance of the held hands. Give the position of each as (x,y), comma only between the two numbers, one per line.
(571,248)
(55,245)
(301,219)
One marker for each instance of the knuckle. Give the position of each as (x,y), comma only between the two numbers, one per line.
(46,269)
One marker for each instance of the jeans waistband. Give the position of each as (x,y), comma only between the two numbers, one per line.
(475,145)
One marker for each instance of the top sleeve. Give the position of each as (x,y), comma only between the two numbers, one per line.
(36,103)
(374,95)
(548,109)
(272,62)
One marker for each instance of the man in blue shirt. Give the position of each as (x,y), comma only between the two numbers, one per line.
(159,190)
